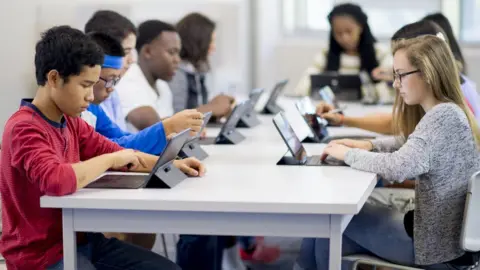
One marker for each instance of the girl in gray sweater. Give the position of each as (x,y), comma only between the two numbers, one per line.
(437,142)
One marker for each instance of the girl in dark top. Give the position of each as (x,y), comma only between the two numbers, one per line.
(350,39)
(352,49)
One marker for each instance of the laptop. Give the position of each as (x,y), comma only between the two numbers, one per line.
(345,86)
(318,125)
(249,119)
(296,149)
(133,180)
(228,134)
(271,107)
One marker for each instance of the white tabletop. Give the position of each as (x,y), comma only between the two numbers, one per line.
(244,178)
(242,188)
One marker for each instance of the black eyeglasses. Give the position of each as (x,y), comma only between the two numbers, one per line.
(110,83)
(399,76)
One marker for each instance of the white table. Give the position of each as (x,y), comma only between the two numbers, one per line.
(243,193)
(229,200)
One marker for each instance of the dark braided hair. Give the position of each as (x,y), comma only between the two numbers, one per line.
(366,48)
(444,23)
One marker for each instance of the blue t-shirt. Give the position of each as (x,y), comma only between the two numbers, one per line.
(151,140)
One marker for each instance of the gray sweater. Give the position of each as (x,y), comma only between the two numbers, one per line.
(186,87)
(441,153)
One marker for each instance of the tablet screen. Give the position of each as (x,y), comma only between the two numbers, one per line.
(277,90)
(255,95)
(318,125)
(305,105)
(235,116)
(173,148)
(328,96)
(288,135)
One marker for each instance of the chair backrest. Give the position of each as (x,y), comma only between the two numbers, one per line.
(470,237)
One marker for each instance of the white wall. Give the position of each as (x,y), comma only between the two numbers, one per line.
(267,35)
(16,56)
(24,20)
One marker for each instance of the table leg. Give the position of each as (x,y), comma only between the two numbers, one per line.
(69,241)
(335,243)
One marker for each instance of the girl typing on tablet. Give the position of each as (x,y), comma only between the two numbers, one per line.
(436,141)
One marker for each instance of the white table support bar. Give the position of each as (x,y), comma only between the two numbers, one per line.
(69,240)
(206,223)
(335,260)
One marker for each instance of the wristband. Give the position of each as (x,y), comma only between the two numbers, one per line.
(342,119)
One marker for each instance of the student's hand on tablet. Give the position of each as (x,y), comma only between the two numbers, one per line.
(334,119)
(324,107)
(127,158)
(222,105)
(365,145)
(328,111)
(382,74)
(180,121)
(337,151)
(171,135)
(190,166)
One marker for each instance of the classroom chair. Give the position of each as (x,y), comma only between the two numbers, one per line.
(1,257)
(469,239)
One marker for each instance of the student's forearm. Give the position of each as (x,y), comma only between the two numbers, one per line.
(379,123)
(168,126)
(150,140)
(87,171)
(150,161)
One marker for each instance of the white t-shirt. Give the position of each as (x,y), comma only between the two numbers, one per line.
(135,91)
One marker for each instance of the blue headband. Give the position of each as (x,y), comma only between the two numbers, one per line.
(115,62)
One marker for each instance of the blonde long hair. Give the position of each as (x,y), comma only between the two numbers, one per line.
(432,56)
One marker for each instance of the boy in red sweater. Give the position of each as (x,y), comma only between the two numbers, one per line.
(49,150)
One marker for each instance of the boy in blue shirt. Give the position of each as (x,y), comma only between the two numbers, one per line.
(123,30)
(151,140)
